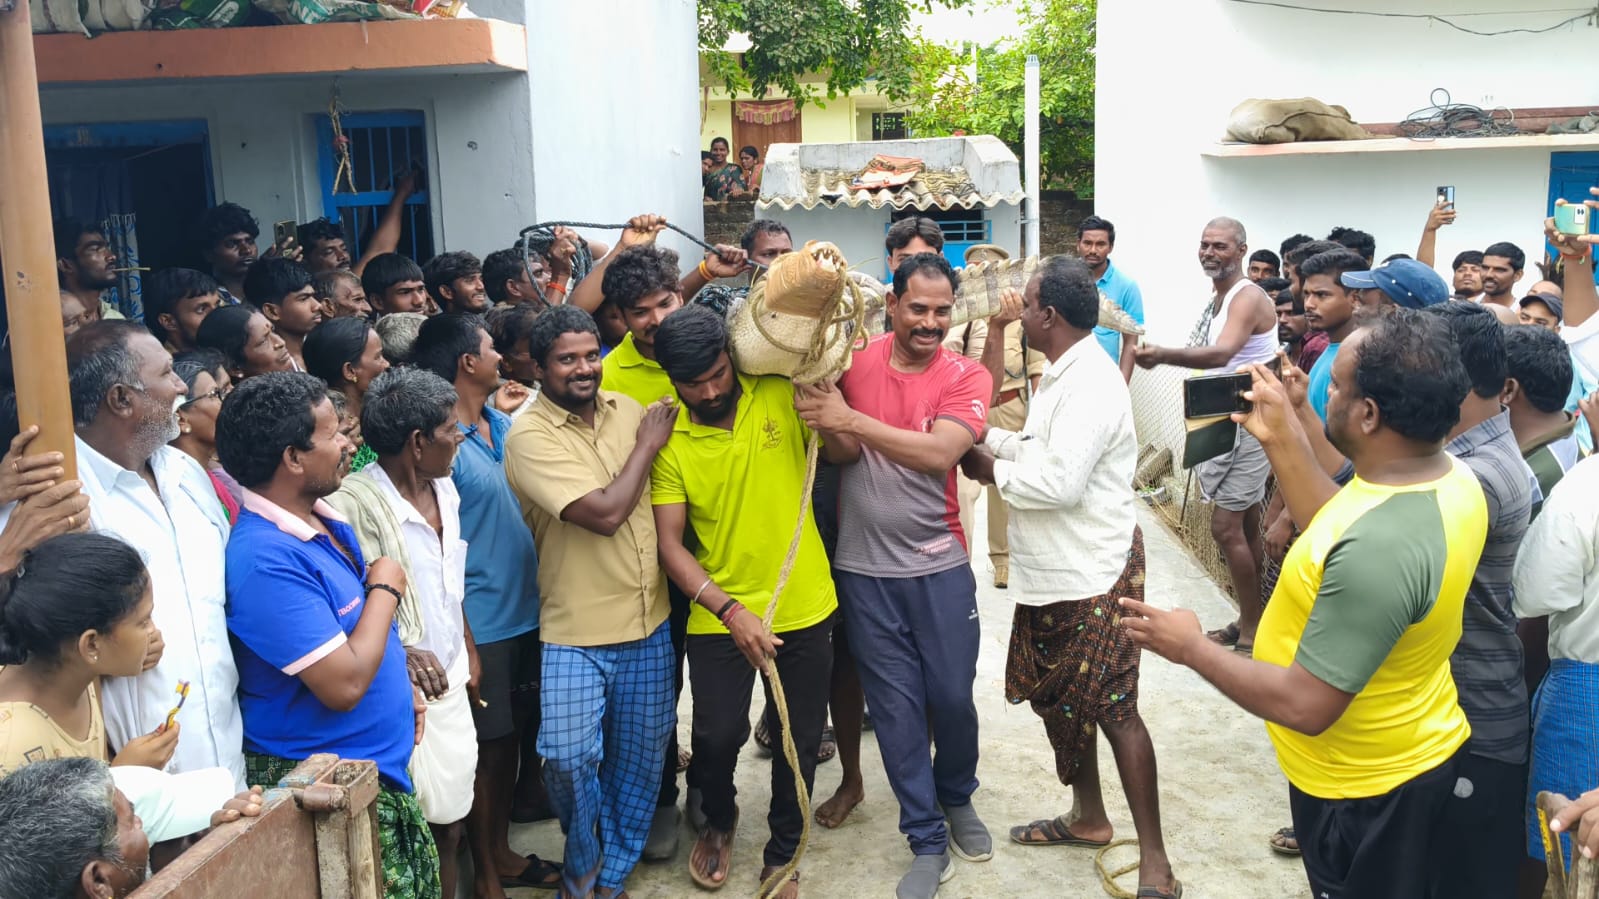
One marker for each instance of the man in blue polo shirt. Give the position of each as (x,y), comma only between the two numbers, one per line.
(1096,237)
(321,668)
(502,602)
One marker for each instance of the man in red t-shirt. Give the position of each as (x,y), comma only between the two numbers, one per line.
(900,420)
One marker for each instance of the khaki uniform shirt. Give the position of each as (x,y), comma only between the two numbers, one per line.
(594,590)
(1036,361)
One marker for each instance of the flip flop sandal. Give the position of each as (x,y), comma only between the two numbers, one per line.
(1279,842)
(721,861)
(828,747)
(1157,893)
(1244,649)
(1225,636)
(1055,831)
(539,874)
(763,739)
(782,891)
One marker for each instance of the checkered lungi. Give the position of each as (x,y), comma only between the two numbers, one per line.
(410,858)
(606,714)
(1076,665)
(1565,741)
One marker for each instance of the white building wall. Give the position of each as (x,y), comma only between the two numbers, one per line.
(1165,90)
(601,128)
(858,232)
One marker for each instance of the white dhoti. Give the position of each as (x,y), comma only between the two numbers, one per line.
(444,764)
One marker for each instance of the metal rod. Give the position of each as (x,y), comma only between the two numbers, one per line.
(33,299)
(1030,148)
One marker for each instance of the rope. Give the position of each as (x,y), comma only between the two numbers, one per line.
(341,144)
(1107,877)
(551,226)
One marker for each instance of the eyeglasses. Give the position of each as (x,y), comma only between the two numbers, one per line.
(218,394)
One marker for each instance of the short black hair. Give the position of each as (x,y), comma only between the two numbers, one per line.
(1481,342)
(549,327)
(1095,223)
(1274,284)
(1070,288)
(1391,257)
(1359,241)
(317,230)
(721,140)
(64,586)
(262,418)
(749,149)
(1507,250)
(499,267)
(1296,304)
(1409,367)
(1466,257)
(447,267)
(227,329)
(759,227)
(689,342)
(163,290)
(67,233)
(400,402)
(928,264)
(222,220)
(637,272)
(386,270)
(271,278)
(510,324)
(907,229)
(1332,263)
(705,155)
(1268,257)
(443,340)
(98,360)
(1541,364)
(1289,243)
(331,345)
(1306,249)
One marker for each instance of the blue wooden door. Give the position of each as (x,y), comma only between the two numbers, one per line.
(1570,176)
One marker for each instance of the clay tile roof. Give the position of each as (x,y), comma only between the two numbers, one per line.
(830,189)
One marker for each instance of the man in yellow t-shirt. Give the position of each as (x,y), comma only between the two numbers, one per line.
(734,469)
(1351,663)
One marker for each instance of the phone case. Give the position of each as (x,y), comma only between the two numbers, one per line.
(1208,438)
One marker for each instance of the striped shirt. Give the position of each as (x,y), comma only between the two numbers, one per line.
(1488,662)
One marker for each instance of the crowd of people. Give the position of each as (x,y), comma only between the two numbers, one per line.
(481,522)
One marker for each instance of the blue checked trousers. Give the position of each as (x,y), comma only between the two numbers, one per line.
(607,713)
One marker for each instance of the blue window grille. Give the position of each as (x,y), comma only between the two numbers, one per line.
(383,147)
(963,229)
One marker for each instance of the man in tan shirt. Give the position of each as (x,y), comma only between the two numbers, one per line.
(579,462)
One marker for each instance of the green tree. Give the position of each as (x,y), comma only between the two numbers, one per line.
(849,42)
(947,98)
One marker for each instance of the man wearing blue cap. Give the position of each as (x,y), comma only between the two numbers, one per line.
(1402,282)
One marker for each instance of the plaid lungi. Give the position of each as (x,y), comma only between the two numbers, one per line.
(1565,741)
(410,857)
(1076,665)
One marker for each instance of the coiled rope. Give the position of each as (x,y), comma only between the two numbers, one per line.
(544,232)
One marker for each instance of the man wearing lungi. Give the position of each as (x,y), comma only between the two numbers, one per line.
(1076,550)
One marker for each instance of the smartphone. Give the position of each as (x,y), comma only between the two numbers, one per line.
(283,233)
(1572,218)
(1446,195)
(1210,395)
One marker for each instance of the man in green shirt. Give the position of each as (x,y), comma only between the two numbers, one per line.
(1540,376)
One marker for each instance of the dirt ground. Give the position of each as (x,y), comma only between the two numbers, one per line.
(1221,791)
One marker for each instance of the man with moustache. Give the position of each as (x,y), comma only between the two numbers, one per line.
(1096,238)
(86,264)
(734,469)
(1304,346)
(579,463)
(902,569)
(155,497)
(1502,265)
(455,281)
(1239,327)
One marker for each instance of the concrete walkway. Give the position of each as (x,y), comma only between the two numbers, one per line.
(1221,792)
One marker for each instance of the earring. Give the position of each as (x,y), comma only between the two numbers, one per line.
(94,658)
(184,427)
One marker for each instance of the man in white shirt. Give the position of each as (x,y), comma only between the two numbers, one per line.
(158,500)
(1075,552)
(406,507)
(1557,575)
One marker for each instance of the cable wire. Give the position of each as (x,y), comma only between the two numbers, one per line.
(1590,13)
(1448,119)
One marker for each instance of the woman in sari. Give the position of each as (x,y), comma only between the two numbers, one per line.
(725,179)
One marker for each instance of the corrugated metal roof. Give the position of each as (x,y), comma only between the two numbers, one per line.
(943,190)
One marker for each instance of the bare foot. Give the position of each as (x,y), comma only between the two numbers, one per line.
(836,810)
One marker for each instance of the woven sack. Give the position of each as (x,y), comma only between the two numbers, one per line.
(798,320)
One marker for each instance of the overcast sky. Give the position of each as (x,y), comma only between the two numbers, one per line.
(984,21)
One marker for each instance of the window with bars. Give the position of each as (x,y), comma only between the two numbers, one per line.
(888,126)
(383,147)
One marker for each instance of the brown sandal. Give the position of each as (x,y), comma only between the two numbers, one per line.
(1052,832)
(789,888)
(704,861)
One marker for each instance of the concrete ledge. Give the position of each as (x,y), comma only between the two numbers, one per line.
(1403,145)
(450,46)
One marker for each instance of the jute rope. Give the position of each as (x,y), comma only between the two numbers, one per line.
(1107,877)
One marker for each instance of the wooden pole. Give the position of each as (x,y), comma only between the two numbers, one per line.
(33,301)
